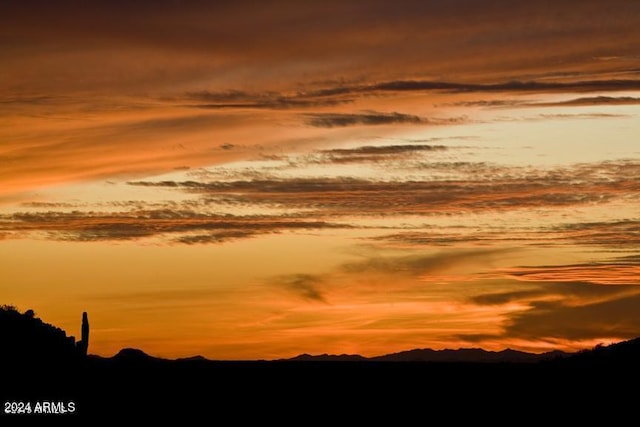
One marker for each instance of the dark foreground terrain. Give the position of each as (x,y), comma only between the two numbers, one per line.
(503,388)
(152,388)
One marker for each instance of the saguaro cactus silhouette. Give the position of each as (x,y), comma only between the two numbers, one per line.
(83,344)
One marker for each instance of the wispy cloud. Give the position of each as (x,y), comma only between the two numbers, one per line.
(597,273)
(383,271)
(264,100)
(92,226)
(617,318)
(65,155)
(612,315)
(493,103)
(217,236)
(377,153)
(582,116)
(570,302)
(342,94)
(510,86)
(341,202)
(616,234)
(329,120)
(306,286)
(418,264)
(575,102)
(439,238)
(385,149)
(514,189)
(591,100)
(121,85)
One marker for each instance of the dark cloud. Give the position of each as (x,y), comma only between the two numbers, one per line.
(461,171)
(561,116)
(264,100)
(315,287)
(315,203)
(613,318)
(510,189)
(510,86)
(576,102)
(103,232)
(175,43)
(384,149)
(615,234)
(582,116)
(307,286)
(365,154)
(151,59)
(92,226)
(570,292)
(216,237)
(420,263)
(574,302)
(347,94)
(594,100)
(330,120)
(495,103)
(434,238)
(604,273)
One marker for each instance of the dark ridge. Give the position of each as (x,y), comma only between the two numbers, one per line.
(41,364)
(625,353)
(28,340)
(327,358)
(475,355)
(464,355)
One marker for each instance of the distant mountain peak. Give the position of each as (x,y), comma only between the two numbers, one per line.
(132,354)
(191,358)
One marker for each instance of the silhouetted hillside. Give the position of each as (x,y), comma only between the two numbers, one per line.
(625,353)
(27,339)
(134,382)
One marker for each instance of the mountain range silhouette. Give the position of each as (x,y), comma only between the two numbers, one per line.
(47,365)
(27,338)
(469,355)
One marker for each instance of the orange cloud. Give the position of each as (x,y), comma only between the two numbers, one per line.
(605,274)
(100,90)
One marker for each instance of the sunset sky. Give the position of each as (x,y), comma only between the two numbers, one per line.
(256,180)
